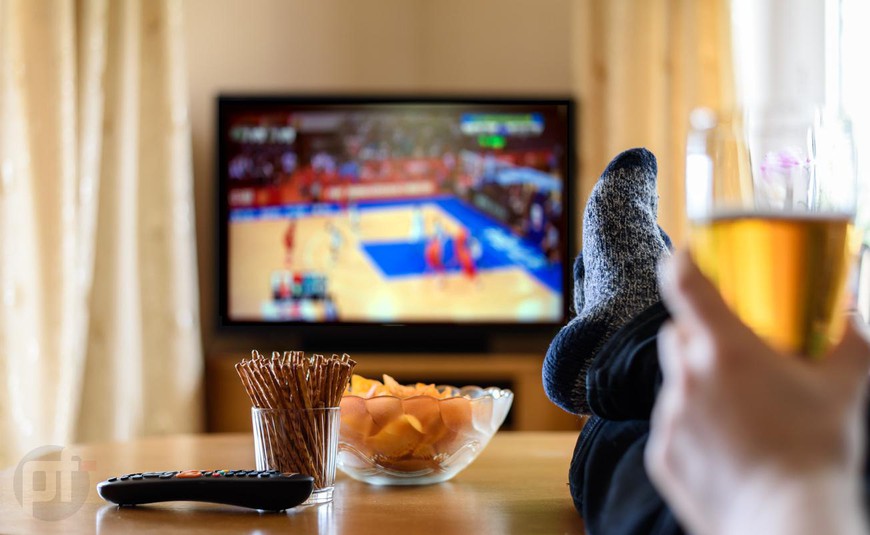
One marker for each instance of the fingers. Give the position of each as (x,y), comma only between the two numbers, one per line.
(671,402)
(669,351)
(707,337)
(663,461)
(850,360)
(657,461)
(691,298)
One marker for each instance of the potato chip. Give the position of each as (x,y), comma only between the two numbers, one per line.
(416,433)
(396,389)
(404,426)
(456,413)
(356,422)
(368,388)
(396,439)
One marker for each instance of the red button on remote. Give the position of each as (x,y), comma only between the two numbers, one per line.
(189,473)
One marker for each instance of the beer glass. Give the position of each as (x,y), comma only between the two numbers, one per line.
(770,196)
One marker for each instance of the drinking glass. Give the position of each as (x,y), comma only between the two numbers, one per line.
(770,196)
(303,441)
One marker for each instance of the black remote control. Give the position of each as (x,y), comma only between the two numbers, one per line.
(265,490)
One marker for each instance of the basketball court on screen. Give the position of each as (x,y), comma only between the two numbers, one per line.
(374,259)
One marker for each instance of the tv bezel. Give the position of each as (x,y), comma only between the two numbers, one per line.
(464,332)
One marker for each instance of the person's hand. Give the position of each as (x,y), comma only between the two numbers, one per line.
(741,435)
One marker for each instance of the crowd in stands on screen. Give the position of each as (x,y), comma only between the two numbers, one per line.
(239,167)
(490,168)
(265,165)
(324,163)
(550,244)
(516,202)
(289,162)
(315,187)
(536,227)
(350,171)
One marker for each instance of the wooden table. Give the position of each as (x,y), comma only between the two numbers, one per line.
(517,485)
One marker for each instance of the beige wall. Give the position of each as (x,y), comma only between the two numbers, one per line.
(354,46)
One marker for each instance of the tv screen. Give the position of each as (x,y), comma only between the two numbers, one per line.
(393,210)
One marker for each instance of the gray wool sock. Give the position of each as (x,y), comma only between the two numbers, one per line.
(622,242)
(615,275)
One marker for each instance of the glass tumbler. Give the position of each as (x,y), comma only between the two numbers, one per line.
(303,441)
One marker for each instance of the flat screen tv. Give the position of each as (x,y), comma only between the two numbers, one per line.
(383,211)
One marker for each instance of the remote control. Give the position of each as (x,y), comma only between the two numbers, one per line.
(265,490)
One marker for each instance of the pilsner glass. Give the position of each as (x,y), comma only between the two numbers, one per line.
(770,196)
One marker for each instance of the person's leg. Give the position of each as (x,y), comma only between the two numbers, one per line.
(615,275)
(609,485)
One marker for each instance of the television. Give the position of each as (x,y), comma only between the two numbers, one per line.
(385,211)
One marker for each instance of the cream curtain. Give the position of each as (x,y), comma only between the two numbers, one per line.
(99,327)
(640,66)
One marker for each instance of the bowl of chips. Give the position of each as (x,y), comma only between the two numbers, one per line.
(394,434)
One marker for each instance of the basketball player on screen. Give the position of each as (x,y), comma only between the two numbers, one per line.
(335,241)
(418,224)
(434,253)
(353,211)
(289,238)
(464,252)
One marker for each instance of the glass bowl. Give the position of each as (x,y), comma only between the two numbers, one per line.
(386,440)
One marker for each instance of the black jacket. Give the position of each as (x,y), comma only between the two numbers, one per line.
(608,481)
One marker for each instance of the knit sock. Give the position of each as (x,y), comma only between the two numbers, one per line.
(614,275)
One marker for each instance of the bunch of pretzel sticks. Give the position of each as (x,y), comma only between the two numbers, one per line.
(295,437)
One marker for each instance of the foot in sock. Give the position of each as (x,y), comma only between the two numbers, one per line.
(614,276)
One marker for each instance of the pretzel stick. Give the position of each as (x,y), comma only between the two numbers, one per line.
(298,386)
(273,434)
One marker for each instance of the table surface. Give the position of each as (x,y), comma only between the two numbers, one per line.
(517,485)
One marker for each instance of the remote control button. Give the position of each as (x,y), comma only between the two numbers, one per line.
(264,474)
(208,473)
(252,473)
(124,478)
(189,474)
(112,479)
(151,475)
(166,476)
(137,476)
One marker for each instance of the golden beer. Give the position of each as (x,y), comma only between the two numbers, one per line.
(783,275)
